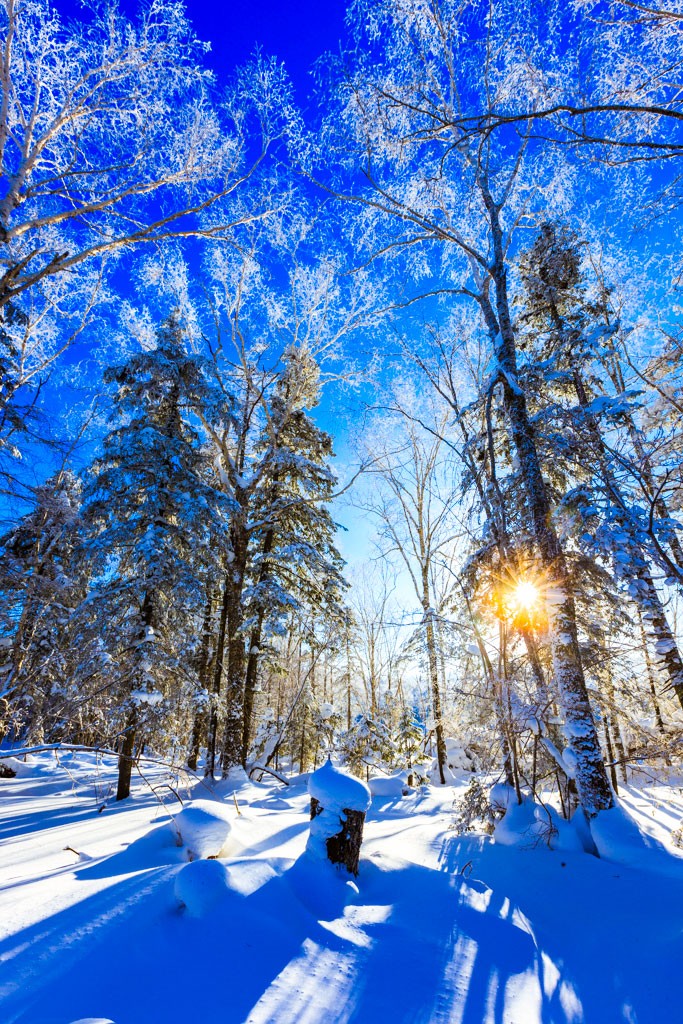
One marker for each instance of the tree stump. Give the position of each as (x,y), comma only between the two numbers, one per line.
(338,805)
(344,847)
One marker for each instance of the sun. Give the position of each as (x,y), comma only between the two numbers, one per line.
(519,599)
(526,596)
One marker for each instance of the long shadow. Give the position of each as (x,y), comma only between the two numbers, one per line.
(279,838)
(20,825)
(125,970)
(601,952)
(416,945)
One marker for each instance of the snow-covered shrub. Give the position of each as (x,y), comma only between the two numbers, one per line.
(368,741)
(473,811)
(326,721)
(410,736)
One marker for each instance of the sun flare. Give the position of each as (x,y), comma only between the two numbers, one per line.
(526,595)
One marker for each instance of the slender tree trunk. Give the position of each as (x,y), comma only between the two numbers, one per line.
(668,657)
(636,571)
(125,764)
(234,696)
(199,726)
(610,755)
(348,673)
(217,680)
(651,678)
(434,683)
(254,651)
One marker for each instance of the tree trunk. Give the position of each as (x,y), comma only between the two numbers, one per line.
(591,777)
(126,756)
(217,680)
(436,695)
(234,690)
(199,725)
(668,657)
(254,652)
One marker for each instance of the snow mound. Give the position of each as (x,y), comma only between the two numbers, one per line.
(530,824)
(204,828)
(457,756)
(389,786)
(435,776)
(200,885)
(337,791)
(320,888)
(618,838)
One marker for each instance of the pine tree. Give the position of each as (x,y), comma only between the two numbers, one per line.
(572,344)
(149,512)
(40,585)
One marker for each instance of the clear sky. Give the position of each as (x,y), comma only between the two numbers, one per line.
(296,31)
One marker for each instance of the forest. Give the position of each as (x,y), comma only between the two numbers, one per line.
(344,430)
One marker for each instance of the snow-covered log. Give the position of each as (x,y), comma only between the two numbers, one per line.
(203,827)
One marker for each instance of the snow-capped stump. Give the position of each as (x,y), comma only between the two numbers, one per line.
(204,828)
(338,805)
(200,885)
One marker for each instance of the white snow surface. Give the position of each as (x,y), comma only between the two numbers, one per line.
(437,928)
(389,786)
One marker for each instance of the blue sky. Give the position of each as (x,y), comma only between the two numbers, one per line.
(297,32)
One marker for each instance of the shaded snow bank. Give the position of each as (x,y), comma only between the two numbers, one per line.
(619,839)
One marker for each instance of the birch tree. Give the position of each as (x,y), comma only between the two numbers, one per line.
(429,188)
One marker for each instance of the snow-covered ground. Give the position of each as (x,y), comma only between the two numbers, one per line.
(437,927)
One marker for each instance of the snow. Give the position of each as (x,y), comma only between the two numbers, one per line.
(387,786)
(338,790)
(618,838)
(203,828)
(200,885)
(438,928)
(529,824)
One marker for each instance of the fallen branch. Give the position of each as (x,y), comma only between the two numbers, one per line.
(261,768)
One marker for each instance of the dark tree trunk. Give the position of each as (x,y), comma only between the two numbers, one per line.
(198,730)
(126,757)
(199,726)
(434,683)
(253,654)
(234,691)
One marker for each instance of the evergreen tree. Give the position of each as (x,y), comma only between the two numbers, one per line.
(149,512)
(40,585)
